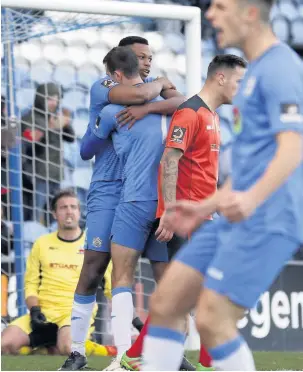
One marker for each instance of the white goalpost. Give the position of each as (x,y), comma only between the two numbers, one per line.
(191,16)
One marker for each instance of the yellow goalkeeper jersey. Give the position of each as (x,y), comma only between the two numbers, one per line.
(53,269)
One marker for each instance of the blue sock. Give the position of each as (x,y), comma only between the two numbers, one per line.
(233,355)
(80,321)
(163,349)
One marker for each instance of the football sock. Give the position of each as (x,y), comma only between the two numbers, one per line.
(163,349)
(80,321)
(204,357)
(137,323)
(136,349)
(122,316)
(234,355)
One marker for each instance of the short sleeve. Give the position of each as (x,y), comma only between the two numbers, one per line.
(99,92)
(182,129)
(282,91)
(105,123)
(149,79)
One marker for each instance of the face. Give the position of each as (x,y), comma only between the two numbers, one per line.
(52,103)
(231,81)
(67,213)
(232,20)
(145,57)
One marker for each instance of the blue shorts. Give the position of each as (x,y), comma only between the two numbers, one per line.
(103,195)
(103,198)
(236,260)
(134,227)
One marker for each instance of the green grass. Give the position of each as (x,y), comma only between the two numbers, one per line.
(266,361)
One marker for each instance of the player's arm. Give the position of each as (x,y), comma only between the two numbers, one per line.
(32,277)
(132,114)
(94,139)
(287,158)
(90,145)
(136,95)
(283,99)
(170,165)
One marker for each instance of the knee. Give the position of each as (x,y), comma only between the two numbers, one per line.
(208,320)
(8,347)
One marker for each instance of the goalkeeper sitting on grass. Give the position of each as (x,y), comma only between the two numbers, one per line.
(52,273)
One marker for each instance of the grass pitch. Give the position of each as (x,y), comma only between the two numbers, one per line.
(266,361)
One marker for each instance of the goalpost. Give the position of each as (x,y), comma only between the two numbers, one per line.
(19,27)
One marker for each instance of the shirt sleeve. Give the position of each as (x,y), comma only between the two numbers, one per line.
(182,129)
(32,273)
(90,145)
(282,90)
(100,90)
(149,79)
(105,123)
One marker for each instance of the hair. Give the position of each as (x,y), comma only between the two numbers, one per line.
(265,8)
(130,40)
(62,194)
(225,61)
(123,59)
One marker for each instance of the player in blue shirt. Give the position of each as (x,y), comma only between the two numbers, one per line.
(104,192)
(261,224)
(140,150)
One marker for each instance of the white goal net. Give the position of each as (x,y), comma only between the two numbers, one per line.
(62,44)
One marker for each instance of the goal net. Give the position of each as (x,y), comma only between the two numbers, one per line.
(60,47)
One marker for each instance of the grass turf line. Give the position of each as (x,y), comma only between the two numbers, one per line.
(265,361)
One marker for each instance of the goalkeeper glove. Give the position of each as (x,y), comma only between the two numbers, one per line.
(37,317)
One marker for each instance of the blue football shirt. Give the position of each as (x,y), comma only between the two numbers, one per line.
(140,150)
(270,101)
(107,166)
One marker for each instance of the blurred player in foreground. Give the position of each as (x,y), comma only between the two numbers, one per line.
(52,272)
(189,166)
(105,188)
(238,256)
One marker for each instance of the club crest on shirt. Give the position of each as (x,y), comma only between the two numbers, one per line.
(108,83)
(178,134)
(81,250)
(97,242)
(290,112)
(250,86)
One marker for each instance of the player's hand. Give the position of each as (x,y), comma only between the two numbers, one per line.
(166,84)
(131,114)
(184,217)
(37,317)
(163,234)
(237,206)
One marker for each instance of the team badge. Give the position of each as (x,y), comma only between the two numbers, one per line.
(178,134)
(290,112)
(81,250)
(97,242)
(107,83)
